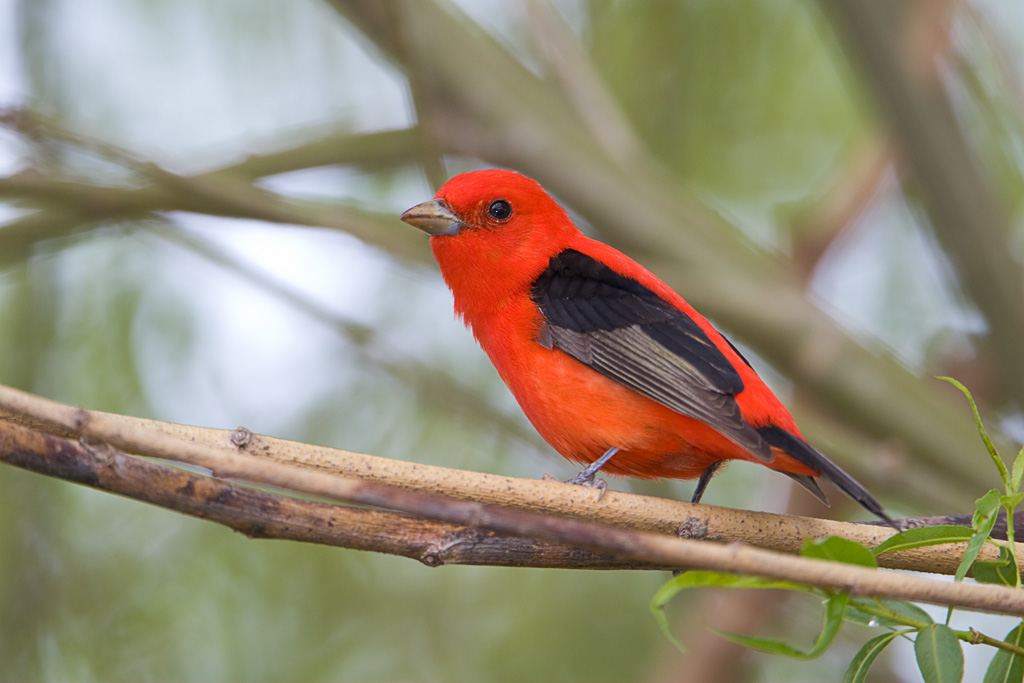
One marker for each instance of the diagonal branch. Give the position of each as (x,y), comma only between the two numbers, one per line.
(262,514)
(970,222)
(35,432)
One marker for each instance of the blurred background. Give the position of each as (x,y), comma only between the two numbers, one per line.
(198,223)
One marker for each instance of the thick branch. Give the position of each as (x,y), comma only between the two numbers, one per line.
(202,446)
(259,514)
(223,456)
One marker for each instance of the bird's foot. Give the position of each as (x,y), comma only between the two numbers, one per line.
(587,476)
(590,482)
(590,479)
(584,479)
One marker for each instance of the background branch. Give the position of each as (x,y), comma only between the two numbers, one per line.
(901,48)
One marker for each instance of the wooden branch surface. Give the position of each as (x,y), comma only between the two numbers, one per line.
(784,533)
(536,509)
(261,514)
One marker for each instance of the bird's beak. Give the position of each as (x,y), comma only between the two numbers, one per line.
(434,218)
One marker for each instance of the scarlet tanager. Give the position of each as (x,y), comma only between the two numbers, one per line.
(611,366)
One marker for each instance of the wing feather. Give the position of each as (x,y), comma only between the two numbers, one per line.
(626,332)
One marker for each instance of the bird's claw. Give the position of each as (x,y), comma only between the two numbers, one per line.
(601,485)
(583,479)
(590,481)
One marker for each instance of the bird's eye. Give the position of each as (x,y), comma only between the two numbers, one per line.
(499,210)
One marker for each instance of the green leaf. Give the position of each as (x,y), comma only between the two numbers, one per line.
(839,549)
(1011,501)
(835,608)
(1007,667)
(865,657)
(986,506)
(985,516)
(1017,474)
(1002,571)
(939,656)
(981,430)
(999,573)
(703,579)
(924,536)
(903,613)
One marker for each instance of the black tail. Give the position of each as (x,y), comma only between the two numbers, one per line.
(811,484)
(999,531)
(802,452)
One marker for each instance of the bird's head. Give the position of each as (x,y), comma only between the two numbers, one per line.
(495,201)
(492,231)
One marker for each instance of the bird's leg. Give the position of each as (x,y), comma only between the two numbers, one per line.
(702,483)
(698,493)
(586,477)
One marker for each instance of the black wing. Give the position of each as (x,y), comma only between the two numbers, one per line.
(626,332)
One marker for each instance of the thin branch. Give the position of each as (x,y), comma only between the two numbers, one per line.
(69,204)
(373,150)
(234,458)
(582,84)
(82,203)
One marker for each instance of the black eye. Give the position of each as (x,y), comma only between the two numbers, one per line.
(499,210)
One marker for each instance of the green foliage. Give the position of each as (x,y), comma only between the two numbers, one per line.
(839,549)
(1007,667)
(937,647)
(887,612)
(865,657)
(987,507)
(1001,571)
(706,579)
(923,536)
(939,655)
(835,608)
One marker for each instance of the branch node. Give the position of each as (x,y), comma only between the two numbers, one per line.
(241,438)
(79,419)
(101,450)
(693,528)
(463,537)
(438,554)
(432,559)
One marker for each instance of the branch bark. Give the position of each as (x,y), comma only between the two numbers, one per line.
(614,529)
(262,514)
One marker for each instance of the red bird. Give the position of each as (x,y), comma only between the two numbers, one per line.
(611,366)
